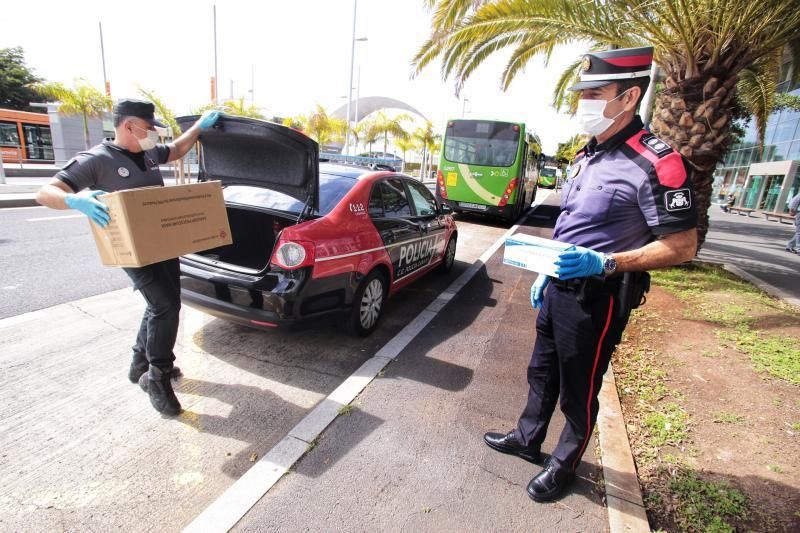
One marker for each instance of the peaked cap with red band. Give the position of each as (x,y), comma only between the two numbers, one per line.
(601,68)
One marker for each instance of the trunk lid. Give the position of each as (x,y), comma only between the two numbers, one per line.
(247,151)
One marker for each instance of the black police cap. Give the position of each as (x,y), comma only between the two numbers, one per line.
(130,107)
(601,68)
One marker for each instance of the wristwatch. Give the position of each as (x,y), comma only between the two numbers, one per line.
(609,265)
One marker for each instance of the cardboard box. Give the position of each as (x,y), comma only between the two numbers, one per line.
(152,224)
(533,253)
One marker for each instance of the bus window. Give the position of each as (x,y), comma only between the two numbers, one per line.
(38,142)
(8,135)
(481,143)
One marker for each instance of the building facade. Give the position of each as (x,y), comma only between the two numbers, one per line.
(764,179)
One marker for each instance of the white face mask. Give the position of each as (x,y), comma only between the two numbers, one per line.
(591,118)
(149,142)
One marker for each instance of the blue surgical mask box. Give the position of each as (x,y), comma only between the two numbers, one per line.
(534,253)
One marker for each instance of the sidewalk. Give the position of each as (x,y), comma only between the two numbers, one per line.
(410,455)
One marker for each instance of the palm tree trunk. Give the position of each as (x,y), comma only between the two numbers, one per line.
(85,131)
(693,116)
(385,139)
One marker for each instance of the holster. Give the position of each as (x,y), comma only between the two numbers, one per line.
(632,291)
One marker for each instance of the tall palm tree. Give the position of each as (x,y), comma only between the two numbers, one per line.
(568,150)
(322,127)
(428,140)
(409,143)
(162,110)
(367,132)
(82,99)
(236,107)
(703,46)
(383,124)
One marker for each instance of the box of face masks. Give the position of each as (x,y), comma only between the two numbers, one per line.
(153,224)
(534,253)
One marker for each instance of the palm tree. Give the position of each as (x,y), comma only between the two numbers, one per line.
(236,107)
(82,99)
(367,132)
(568,150)
(428,140)
(166,114)
(409,143)
(322,127)
(383,124)
(703,46)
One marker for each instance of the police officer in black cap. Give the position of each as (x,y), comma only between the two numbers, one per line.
(132,160)
(627,206)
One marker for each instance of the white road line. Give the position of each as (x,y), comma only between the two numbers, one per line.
(236,501)
(53,218)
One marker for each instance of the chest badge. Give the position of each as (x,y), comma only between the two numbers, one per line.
(123,172)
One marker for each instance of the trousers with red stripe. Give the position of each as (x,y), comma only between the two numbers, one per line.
(574,343)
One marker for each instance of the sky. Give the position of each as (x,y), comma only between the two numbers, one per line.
(293,54)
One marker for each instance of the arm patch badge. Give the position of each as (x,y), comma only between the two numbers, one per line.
(655,145)
(678,200)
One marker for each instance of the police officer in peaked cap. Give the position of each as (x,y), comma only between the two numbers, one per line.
(627,207)
(132,160)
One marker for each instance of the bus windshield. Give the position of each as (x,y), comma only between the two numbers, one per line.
(482,143)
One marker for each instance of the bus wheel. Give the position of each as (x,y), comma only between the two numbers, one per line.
(367,305)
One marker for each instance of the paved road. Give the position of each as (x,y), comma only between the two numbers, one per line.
(48,257)
(754,245)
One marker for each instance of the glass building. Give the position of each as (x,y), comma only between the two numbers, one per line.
(764,180)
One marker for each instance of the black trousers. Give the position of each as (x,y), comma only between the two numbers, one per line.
(160,286)
(574,343)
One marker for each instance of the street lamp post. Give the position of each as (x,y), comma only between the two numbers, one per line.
(464,106)
(350,85)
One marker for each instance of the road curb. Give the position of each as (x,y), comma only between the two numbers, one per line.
(18,202)
(626,511)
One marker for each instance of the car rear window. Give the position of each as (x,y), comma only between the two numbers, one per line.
(332,189)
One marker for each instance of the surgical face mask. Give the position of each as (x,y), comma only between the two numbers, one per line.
(591,118)
(148,142)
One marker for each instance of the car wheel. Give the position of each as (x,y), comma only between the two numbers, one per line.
(367,304)
(449,256)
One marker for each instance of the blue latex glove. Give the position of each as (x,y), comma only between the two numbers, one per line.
(537,290)
(579,262)
(90,206)
(208,119)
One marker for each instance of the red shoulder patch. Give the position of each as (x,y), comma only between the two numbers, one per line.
(670,170)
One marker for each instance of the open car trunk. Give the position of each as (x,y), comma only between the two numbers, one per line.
(254,235)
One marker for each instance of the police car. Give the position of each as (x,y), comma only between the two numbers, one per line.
(309,239)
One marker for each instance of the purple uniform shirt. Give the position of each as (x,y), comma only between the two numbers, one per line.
(624,193)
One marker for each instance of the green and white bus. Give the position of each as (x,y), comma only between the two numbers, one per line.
(487,167)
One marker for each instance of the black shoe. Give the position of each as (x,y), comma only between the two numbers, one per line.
(135,372)
(791,250)
(550,483)
(508,443)
(156,383)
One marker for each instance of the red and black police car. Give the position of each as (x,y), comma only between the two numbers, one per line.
(309,238)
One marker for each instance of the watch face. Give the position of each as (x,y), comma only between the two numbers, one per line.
(610,265)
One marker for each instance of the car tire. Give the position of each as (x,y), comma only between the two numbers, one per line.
(367,307)
(449,257)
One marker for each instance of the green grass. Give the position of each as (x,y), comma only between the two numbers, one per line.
(796,426)
(775,468)
(708,506)
(667,424)
(690,281)
(778,355)
(345,410)
(721,417)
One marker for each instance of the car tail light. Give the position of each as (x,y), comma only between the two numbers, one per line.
(290,255)
(508,192)
(440,180)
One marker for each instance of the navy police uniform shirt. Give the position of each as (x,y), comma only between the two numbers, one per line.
(108,167)
(626,192)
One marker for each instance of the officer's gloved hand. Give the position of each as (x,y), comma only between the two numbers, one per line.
(537,290)
(90,206)
(208,119)
(579,262)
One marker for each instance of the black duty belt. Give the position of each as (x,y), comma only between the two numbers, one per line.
(609,284)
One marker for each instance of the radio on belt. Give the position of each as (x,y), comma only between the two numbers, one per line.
(534,253)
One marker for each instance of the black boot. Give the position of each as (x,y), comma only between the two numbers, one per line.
(156,383)
(139,366)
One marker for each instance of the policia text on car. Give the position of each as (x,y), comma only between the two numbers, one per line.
(627,206)
(132,160)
